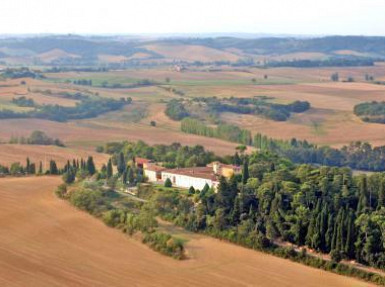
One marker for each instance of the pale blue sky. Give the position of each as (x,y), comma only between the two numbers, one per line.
(346,17)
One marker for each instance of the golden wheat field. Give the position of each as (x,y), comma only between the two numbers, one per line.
(46,242)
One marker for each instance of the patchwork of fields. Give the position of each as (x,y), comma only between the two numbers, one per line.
(331,105)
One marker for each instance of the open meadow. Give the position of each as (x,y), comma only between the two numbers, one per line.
(46,242)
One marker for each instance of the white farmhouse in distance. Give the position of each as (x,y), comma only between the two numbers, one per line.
(196,177)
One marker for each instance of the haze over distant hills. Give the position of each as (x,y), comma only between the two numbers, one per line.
(159,49)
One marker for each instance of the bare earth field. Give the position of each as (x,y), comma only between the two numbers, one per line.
(10,153)
(46,242)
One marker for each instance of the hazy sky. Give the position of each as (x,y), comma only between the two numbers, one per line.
(347,17)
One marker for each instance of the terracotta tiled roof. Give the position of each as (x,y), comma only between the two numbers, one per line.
(197,172)
(142,160)
(154,167)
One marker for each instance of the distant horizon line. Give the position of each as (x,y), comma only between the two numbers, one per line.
(245,35)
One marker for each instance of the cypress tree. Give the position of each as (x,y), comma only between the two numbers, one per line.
(121,163)
(363,194)
(350,235)
(40,168)
(236,212)
(124,177)
(381,195)
(237,160)
(110,171)
(130,176)
(53,167)
(90,166)
(245,171)
(310,231)
(27,168)
(329,233)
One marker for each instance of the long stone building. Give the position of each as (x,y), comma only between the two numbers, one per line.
(196,177)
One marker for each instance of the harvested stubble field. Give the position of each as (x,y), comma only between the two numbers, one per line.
(10,153)
(46,242)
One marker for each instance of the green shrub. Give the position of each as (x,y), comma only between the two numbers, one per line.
(167,183)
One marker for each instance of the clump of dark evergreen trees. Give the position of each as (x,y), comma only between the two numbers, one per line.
(373,112)
(324,209)
(36,138)
(174,155)
(17,73)
(86,108)
(70,171)
(23,102)
(176,110)
(222,131)
(179,109)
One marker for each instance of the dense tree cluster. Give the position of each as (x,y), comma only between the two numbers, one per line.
(223,131)
(23,102)
(174,155)
(86,108)
(325,209)
(373,112)
(331,62)
(76,168)
(117,212)
(17,73)
(214,106)
(357,155)
(176,110)
(36,138)
(83,82)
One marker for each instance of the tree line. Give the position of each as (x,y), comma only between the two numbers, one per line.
(36,138)
(171,156)
(80,168)
(86,108)
(222,131)
(356,155)
(178,109)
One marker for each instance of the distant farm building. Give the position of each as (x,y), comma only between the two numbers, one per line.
(153,172)
(141,162)
(196,177)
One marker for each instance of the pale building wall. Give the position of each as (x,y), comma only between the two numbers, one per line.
(186,181)
(150,174)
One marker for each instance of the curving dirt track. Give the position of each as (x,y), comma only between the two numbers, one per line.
(46,242)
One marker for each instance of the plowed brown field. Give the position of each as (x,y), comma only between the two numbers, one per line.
(46,242)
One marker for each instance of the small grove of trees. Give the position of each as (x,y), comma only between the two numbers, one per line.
(173,155)
(255,106)
(102,203)
(223,131)
(373,112)
(23,102)
(176,110)
(335,77)
(70,171)
(86,108)
(83,82)
(36,138)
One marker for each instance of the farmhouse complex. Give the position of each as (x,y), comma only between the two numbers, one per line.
(196,177)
